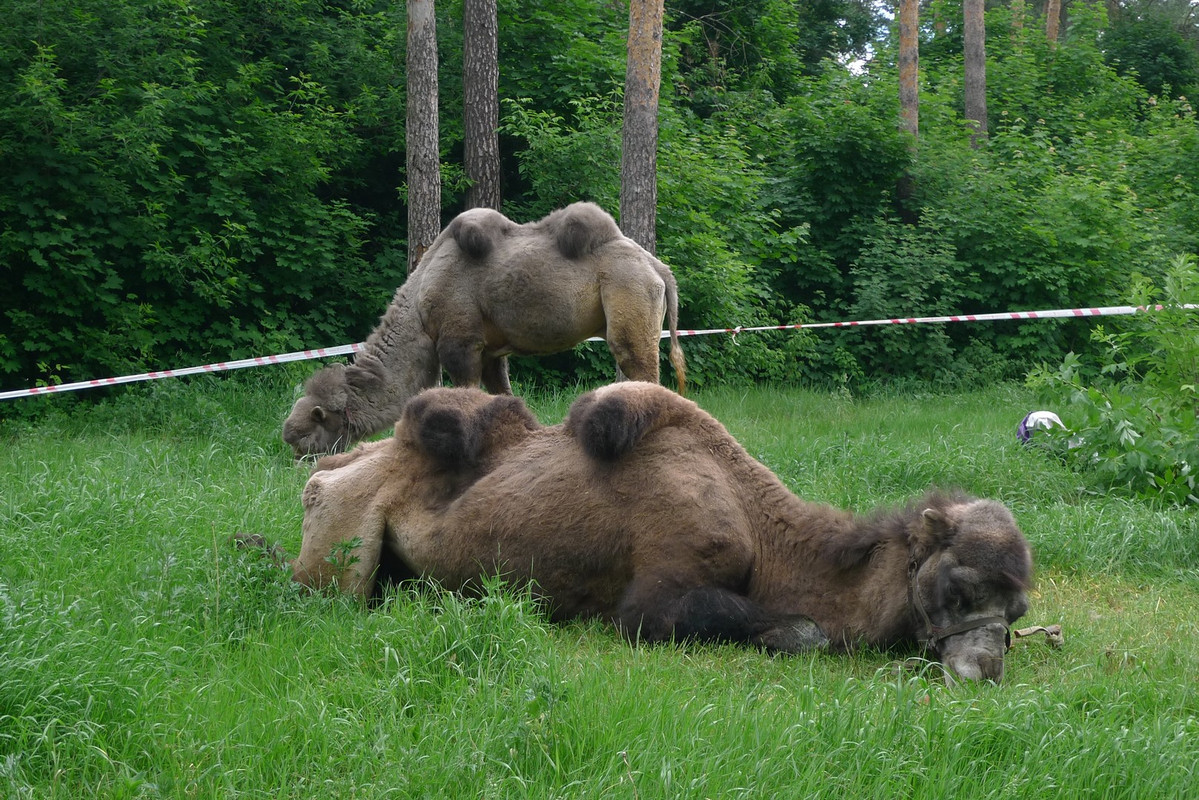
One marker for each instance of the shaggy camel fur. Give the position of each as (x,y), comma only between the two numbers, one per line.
(487,288)
(642,510)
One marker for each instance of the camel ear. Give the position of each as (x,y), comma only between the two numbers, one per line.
(932,532)
(318,414)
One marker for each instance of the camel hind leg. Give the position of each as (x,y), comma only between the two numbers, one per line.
(634,326)
(654,613)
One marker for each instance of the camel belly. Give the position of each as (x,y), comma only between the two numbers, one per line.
(539,337)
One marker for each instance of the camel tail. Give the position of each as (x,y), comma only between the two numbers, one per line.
(672,320)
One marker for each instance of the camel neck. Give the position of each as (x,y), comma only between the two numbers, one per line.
(397,361)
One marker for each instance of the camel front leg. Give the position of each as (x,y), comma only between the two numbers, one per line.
(462,359)
(342,534)
(495,375)
(654,610)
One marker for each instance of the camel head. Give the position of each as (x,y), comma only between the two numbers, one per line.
(319,421)
(969,573)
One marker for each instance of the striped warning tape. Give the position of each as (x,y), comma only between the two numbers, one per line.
(220,366)
(346,349)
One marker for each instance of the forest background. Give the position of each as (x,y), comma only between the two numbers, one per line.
(190,181)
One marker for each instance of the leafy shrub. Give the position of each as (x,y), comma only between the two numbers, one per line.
(175,190)
(1150,46)
(903,270)
(1134,408)
(714,230)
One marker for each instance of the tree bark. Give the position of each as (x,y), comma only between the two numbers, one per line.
(481,105)
(975,52)
(1053,18)
(423,156)
(639,144)
(909,66)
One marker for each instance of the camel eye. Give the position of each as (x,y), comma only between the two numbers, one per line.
(958,597)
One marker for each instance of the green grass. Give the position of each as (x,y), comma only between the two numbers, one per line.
(141,656)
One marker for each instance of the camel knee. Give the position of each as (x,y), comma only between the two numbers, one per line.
(634,363)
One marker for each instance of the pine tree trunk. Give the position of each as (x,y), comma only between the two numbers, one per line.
(1053,18)
(423,157)
(975,52)
(481,105)
(909,65)
(639,151)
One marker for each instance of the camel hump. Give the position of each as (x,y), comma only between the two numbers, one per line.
(478,231)
(611,421)
(580,228)
(459,428)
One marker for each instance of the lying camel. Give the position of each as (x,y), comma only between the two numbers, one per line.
(641,509)
(486,288)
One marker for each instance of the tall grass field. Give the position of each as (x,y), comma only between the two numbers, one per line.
(142,656)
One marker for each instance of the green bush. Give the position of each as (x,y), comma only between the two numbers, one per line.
(175,191)
(1133,410)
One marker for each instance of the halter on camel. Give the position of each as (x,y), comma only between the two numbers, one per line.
(931,636)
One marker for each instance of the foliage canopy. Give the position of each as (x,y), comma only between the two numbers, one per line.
(213,180)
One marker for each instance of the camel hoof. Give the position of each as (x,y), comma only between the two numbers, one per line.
(797,635)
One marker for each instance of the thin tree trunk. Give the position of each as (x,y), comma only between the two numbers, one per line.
(975,52)
(423,157)
(1053,18)
(1114,11)
(909,66)
(480,93)
(639,148)
(909,99)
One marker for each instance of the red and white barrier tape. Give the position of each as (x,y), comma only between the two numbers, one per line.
(1103,311)
(220,366)
(346,349)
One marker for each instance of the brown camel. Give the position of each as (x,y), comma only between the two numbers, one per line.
(488,288)
(641,509)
